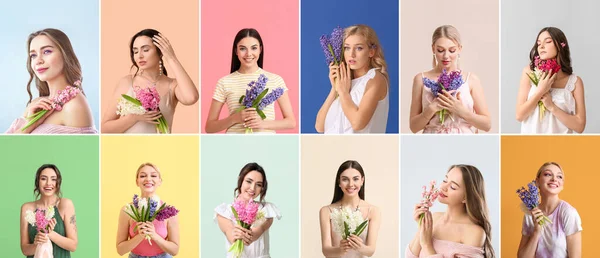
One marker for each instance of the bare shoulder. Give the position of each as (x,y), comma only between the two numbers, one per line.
(325,210)
(475,235)
(473,80)
(27,206)
(66,204)
(527,69)
(124,84)
(579,82)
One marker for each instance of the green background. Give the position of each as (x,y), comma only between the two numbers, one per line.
(77,159)
(222,158)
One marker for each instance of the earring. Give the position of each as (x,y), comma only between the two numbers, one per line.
(160,67)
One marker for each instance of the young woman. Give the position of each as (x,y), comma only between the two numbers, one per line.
(468,111)
(247,65)
(358,101)
(164,235)
(349,192)
(150,51)
(62,228)
(251,184)
(561,93)
(562,238)
(467,213)
(54,67)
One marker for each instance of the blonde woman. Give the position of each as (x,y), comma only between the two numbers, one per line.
(358,101)
(468,111)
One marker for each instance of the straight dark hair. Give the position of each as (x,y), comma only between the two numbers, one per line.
(337,191)
(244,33)
(247,169)
(38,174)
(148,33)
(563,52)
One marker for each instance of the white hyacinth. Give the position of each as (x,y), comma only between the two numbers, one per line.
(125,107)
(50,213)
(143,203)
(352,218)
(30,217)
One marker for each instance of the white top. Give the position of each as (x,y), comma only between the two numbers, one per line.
(258,248)
(553,242)
(337,123)
(563,99)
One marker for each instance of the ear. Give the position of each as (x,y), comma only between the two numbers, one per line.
(371,52)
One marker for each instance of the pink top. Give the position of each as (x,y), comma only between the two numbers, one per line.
(50,128)
(452,123)
(449,249)
(144,248)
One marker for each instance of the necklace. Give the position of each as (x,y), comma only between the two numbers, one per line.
(357,206)
(151,81)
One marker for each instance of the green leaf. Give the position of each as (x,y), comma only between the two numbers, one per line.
(361,228)
(235,213)
(135,212)
(346,230)
(37,117)
(259,98)
(261,114)
(242,99)
(131,99)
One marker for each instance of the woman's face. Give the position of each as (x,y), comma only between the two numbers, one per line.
(248,51)
(46,59)
(551,180)
(252,186)
(452,189)
(446,52)
(148,180)
(145,53)
(357,53)
(351,181)
(48,182)
(545,46)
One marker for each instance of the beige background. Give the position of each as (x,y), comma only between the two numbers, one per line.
(321,157)
(477,22)
(178,21)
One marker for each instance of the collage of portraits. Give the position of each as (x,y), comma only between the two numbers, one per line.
(299,128)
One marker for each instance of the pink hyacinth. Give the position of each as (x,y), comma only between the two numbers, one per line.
(65,96)
(149,98)
(40,220)
(247,211)
(547,65)
(428,196)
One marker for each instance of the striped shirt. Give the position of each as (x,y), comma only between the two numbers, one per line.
(233,86)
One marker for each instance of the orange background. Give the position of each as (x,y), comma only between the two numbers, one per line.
(521,158)
(177,20)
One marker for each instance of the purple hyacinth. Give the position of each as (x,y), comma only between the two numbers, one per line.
(135,201)
(270,98)
(325,46)
(530,196)
(153,206)
(167,212)
(255,88)
(337,38)
(446,81)
(432,85)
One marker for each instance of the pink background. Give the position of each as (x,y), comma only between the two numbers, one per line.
(277,23)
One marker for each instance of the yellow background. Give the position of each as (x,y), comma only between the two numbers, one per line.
(177,160)
(521,158)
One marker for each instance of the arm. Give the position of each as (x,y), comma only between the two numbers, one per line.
(526,106)
(326,242)
(171,244)
(574,122)
(36,105)
(258,231)
(26,248)
(528,244)
(419,116)
(574,245)
(185,90)
(68,242)
(214,124)
(124,244)
(320,120)
(360,116)
(288,121)
(374,223)
(111,122)
(481,118)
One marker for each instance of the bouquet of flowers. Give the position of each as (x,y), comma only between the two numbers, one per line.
(40,219)
(332,46)
(256,97)
(345,221)
(530,199)
(147,99)
(446,81)
(147,210)
(58,102)
(247,215)
(542,66)
(429,196)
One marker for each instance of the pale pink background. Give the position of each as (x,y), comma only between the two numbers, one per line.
(378,155)
(477,22)
(277,23)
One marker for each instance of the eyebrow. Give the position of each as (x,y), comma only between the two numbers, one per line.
(42,48)
(142,46)
(451,181)
(546,38)
(255,45)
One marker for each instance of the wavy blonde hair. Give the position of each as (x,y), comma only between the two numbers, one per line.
(377,61)
(445,31)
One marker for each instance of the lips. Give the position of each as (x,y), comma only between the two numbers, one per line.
(351,62)
(351,190)
(41,70)
(445,62)
(553,185)
(141,63)
(148,185)
(442,195)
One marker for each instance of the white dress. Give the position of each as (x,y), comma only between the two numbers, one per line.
(563,99)
(337,123)
(258,248)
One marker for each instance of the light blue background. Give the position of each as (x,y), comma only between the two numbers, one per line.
(76,18)
(425,158)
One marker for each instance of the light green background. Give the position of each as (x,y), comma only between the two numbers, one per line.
(77,159)
(222,158)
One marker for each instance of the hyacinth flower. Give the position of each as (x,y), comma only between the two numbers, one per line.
(40,219)
(58,102)
(258,97)
(542,66)
(146,99)
(530,200)
(428,196)
(246,214)
(446,82)
(147,210)
(332,46)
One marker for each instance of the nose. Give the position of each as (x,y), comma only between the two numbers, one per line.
(38,60)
